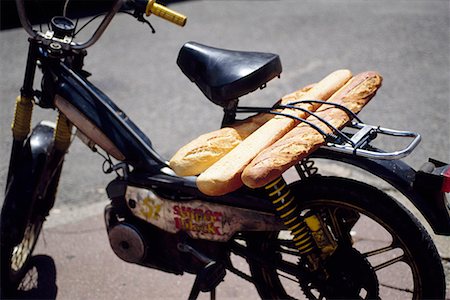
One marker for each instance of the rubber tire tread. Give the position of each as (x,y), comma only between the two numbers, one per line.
(14,218)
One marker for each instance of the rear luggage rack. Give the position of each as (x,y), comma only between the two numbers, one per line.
(357,143)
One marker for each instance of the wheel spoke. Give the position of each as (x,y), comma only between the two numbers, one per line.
(397,288)
(288,277)
(239,273)
(335,223)
(285,243)
(289,251)
(379,251)
(288,267)
(388,263)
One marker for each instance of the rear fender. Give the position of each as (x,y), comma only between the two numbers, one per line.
(432,204)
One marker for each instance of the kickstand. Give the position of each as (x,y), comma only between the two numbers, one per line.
(209,277)
(195,291)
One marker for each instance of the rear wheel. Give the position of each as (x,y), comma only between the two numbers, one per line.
(383,251)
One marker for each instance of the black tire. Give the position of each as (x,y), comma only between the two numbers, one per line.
(414,257)
(21,221)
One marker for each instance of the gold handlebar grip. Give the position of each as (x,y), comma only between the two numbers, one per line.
(165,13)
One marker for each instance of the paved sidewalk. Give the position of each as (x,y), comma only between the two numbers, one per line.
(75,241)
(86,268)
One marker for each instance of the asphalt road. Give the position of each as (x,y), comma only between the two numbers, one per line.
(406,41)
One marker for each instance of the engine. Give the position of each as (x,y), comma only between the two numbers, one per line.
(136,241)
(127,242)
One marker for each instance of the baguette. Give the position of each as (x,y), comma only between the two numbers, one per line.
(247,126)
(303,139)
(199,154)
(225,175)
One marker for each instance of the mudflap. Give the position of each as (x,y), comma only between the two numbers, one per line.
(29,183)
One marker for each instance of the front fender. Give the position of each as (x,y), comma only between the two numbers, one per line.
(21,191)
(39,145)
(46,164)
(402,177)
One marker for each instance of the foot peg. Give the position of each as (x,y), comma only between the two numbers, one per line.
(209,277)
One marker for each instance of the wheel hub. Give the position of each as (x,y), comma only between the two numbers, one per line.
(348,274)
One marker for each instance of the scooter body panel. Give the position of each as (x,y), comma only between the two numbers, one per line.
(110,120)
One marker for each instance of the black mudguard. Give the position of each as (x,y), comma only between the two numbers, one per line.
(22,192)
(432,204)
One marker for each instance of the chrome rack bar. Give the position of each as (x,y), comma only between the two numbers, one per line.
(363,133)
(271,111)
(331,137)
(351,114)
(355,144)
(333,128)
(326,136)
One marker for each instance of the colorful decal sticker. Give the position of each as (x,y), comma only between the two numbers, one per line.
(198,220)
(150,209)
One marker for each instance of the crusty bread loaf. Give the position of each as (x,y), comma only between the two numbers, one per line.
(225,175)
(199,154)
(303,139)
(247,126)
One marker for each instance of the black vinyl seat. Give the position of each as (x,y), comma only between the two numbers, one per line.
(223,75)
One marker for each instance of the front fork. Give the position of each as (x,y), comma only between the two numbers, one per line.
(55,154)
(21,126)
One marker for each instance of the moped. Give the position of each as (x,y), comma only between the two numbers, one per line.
(315,246)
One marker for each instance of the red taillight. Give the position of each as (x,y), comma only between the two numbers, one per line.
(433,176)
(446,180)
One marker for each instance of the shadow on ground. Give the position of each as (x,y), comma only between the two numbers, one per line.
(40,280)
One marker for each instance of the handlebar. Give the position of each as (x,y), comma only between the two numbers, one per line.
(150,8)
(165,13)
(23,18)
(102,27)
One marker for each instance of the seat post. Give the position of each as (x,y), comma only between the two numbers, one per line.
(229,111)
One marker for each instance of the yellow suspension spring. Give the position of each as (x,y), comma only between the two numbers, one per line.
(21,124)
(287,210)
(63,133)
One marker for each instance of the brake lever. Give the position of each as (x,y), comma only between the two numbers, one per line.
(140,18)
